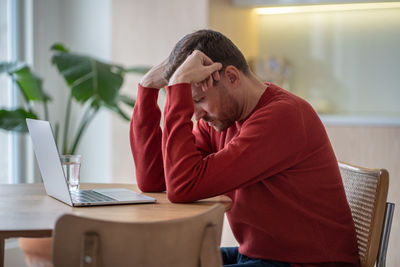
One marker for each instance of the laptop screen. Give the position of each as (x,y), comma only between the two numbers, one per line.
(49,160)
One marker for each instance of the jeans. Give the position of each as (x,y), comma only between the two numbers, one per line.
(232,258)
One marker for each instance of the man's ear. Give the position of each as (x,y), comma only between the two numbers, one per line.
(232,75)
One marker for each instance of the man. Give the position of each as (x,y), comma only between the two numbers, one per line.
(260,145)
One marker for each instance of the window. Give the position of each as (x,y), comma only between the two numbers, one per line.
(8,96)
(5,93)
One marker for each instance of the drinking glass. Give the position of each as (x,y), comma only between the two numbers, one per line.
(71,166)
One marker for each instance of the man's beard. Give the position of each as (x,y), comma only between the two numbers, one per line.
(229,114)
(223,125)
(220,125)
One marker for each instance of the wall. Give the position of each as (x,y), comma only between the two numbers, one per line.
(83,29)
(144,32)
(239,24)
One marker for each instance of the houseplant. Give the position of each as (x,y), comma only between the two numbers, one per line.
(93,83)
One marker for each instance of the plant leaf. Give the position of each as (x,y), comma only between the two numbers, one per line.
(138,69)
(130,101)
(30,84)
(120,112)
(88,77)
(115,108)
(15,120)
(59,47)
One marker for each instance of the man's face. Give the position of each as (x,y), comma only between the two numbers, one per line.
(216,106)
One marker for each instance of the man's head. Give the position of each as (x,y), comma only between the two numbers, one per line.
(214,44)
(217,104)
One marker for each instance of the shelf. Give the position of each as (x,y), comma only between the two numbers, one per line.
(342,120)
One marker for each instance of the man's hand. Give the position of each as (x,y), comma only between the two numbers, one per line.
(153,78)
(196,68)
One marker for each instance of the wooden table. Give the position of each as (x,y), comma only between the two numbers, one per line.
(26,210)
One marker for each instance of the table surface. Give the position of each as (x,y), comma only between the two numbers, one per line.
(26,210)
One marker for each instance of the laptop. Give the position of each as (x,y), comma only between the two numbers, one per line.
(54,179)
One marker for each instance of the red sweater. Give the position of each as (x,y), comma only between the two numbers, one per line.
(277,166)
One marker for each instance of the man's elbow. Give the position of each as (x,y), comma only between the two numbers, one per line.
(181,188)
(177,196)
(150,188)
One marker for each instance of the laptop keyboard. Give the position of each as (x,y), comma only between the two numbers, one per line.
(89,196)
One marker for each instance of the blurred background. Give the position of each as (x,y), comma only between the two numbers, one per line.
(343,58)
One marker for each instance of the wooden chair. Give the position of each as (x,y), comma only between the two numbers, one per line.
(192,241)
(366,192)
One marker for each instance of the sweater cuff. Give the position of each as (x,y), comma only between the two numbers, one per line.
(146,94)
(180,96)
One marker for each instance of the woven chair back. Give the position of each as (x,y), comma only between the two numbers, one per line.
(366,192)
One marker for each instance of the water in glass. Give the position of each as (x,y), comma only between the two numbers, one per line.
(71,171)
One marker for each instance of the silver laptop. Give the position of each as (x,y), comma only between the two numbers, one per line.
(55,182)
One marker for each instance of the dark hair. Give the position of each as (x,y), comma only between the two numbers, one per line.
(214,44)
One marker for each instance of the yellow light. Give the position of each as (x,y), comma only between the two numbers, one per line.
(324,8)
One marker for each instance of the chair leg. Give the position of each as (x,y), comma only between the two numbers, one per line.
(210,255)
(387,224)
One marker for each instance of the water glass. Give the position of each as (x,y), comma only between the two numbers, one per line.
(71,166)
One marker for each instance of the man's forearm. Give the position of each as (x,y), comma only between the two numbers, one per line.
(145,140)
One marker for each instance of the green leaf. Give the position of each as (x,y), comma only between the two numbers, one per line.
(139,69)
(15,120)
(119,111)
(96,104)
(130,101)
(30,84)
(59,47)
(47,97)
(88,77)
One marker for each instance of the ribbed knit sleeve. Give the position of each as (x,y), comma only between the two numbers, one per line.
(145,139)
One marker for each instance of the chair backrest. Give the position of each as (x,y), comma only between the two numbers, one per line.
(366,192)
(188,242)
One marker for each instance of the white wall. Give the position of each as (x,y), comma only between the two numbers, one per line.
(84,27)
(144,32)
